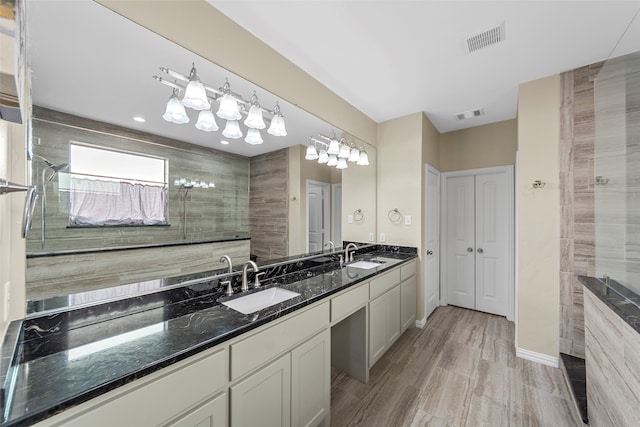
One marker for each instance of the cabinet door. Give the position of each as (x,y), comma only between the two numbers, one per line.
(393,315)
(264,398)
(211,414)
(311,381)
(377,328)
(408,290)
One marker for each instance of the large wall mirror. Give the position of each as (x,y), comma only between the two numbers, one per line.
(98,117)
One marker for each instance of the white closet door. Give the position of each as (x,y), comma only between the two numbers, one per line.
(460,235)
(492,224)
(432,276)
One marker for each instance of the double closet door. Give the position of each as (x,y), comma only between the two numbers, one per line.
(479,226)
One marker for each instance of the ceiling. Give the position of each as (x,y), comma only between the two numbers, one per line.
(393,58)
(91,62)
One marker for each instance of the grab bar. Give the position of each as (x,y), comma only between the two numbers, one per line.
(29,203)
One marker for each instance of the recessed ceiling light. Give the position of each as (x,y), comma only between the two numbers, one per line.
(224,142)
(139,119)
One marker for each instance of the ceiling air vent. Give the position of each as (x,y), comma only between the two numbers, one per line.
(486,38)
(469,114)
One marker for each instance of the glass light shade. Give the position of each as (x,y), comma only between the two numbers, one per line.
(354,156)
(334,147)
(342,163)
(333,160)
(254,120)
(232,130)
(253,137)
(323,157)
(277,126)
(195,95)
(228,108)
(364,159)
(345,152)
(175,112)
(206,121)
(312,154)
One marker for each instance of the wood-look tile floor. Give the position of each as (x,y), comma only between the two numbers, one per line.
(460,370)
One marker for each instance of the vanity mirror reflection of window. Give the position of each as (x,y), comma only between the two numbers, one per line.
(109,188)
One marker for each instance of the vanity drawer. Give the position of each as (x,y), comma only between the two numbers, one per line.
(383,283)
(347,303)
(408,270)
(269,343)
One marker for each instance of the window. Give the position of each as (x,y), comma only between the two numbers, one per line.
(109,187)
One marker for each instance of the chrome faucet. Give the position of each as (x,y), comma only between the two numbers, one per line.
(346,252)
(227,259)
(331,245)
(254,267)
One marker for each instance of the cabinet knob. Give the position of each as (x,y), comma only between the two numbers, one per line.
(469,249)
(480,250)
(429,252)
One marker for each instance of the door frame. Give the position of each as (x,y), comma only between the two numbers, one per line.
(326,211)
(508,170)
(429,168)
(336,214)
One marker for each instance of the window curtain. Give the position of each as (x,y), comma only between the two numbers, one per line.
(96,202)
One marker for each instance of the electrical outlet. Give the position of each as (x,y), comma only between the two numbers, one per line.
(372,237)
(407,220)
(350,219)
(381,237)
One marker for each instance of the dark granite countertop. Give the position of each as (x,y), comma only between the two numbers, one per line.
(67,357)
(621,300)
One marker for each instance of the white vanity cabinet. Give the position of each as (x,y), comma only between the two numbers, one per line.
(384,323)
(188,393)
(293,390)
(408,295)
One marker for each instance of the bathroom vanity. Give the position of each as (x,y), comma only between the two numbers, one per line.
(181,357)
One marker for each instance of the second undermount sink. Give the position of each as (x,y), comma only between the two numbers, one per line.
(257,301)
(365,265)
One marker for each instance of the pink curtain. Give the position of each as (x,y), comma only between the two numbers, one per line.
(95,202)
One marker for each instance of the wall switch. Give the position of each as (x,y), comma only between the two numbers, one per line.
(372,237)
(381,237)
(407,220)
(350,219)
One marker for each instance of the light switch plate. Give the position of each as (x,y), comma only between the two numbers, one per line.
(381,237)
(350,219)
(407,220)
(372,237)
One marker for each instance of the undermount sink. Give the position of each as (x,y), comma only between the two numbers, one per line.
(365,265)
(257,301)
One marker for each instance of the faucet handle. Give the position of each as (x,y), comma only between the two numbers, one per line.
(256,283)
(229,287)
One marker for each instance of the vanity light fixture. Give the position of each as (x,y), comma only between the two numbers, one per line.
(253,137)
(334,152)
(232,130)
(200,97)
(354,155)
(206,121)
(175,112)
(312,153)
(139,119)
(195,95)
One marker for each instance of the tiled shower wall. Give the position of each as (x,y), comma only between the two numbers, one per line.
(269,205)
(577,228)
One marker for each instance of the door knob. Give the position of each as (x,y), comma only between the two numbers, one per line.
(469,249)
(480,250)
(429,252)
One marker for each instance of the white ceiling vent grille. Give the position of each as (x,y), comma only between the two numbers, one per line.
(470,114)
(486,38)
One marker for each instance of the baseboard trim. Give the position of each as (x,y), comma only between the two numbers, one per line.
(420,323)
(545,359)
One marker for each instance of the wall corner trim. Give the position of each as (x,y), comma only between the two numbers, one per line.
(533,356)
